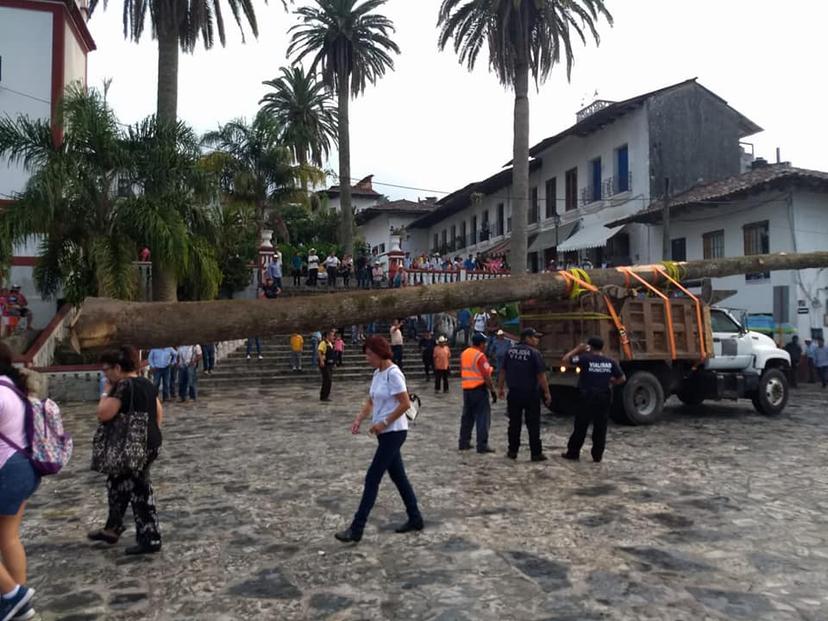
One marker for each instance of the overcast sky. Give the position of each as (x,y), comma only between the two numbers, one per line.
(431,124)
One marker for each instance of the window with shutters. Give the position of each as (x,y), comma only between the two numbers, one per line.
(757,241)
(713,245)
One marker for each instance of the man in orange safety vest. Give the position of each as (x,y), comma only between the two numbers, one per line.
(476,375)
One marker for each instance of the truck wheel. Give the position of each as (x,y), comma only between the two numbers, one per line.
(643,399)
(772,396)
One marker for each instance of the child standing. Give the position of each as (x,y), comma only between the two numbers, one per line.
(442,356)
(339,349)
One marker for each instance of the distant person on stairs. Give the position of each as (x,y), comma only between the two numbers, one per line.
(297,344)
(397,342)
(250,341)
(325,361)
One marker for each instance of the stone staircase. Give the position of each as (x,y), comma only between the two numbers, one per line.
(236,371)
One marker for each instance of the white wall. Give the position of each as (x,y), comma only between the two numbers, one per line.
(74,66)
(378,231)
(808,212)
(572,152)
(26,48)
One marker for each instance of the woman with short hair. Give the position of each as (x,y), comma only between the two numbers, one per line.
(386,405)
(126,393)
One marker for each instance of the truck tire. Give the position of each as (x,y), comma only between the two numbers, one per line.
(772,396)
(643,399)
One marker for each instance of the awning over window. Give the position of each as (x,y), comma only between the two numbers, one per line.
(547,239)
(593,236)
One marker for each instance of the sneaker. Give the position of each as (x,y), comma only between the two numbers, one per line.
(248,356)
(260,357)
(409,526)
(12,606)
(25,613)
(512,454)
(486,449)
(539,457)
(570,457)
(143,548)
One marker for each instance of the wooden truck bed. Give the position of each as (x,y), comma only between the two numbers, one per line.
(566,323)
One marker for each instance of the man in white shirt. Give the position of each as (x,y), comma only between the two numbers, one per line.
(313,267)
(480,320)
(332,266)
(188,358)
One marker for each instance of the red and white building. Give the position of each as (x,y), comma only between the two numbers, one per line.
(44,46)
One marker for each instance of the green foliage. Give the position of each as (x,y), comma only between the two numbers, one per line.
(89,233)
(531,33)
(345,39)
(303,109)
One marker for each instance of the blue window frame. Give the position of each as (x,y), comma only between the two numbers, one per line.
(622,156)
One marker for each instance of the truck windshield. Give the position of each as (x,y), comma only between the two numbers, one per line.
(723,323)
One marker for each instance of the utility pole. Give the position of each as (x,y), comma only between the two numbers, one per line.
(666,247)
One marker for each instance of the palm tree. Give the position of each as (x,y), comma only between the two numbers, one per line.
(89,230)
(301,105)
(258,168)
(523,36)
(351,45)
(180,24)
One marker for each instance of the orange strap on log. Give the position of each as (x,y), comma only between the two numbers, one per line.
(622,332)
(702,349)
(667,308)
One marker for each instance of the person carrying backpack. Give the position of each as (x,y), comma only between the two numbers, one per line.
(32,443)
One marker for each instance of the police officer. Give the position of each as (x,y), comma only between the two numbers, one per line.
(598,374)
(476,375)
(524,371)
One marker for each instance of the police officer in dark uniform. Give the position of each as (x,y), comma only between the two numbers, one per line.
(524,372)
(598,374)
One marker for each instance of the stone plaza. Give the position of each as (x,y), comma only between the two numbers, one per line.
(715,513)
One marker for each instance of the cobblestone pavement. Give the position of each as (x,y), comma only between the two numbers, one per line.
(717,513)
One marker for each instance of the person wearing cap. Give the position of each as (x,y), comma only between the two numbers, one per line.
(476,375)
(274,269)
(598,374)
(498,347)
(524,372)
(442,361)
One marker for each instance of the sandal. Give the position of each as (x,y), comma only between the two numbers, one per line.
(104,535)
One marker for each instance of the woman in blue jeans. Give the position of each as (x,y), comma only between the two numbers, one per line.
(386,405)
(18,481)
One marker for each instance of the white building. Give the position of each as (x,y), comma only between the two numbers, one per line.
(609,165)
(363,195)
(377,224)
(772,208)
(43,49)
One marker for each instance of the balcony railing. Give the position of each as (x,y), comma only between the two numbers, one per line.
(609,187)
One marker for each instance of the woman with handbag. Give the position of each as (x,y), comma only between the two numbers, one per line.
(125,445)
(387,404)
(18,481)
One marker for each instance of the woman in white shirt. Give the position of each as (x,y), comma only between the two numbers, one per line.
(386,405)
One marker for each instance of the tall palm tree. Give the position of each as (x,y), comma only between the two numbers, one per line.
(523,36)
(302,106)
(180,24)
(351,45)
(258,167)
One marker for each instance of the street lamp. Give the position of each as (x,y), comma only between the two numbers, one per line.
(557,220)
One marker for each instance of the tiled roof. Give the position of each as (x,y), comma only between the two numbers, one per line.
(399,207)
(607,115)
(769,177)
(460,199)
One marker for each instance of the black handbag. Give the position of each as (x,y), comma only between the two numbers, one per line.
(120,445)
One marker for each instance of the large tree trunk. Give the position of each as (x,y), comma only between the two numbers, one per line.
(164,277)
(346,234)
(520,164)
(106,323)
(167,107)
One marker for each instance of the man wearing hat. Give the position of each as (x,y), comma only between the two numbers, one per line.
(476,375)
(274,269)
(524,371)
(442,361)
(498,347)
(598,375)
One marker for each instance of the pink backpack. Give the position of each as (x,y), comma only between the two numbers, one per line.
(50,447)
